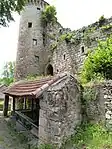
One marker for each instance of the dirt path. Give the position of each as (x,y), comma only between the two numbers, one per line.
(10,139)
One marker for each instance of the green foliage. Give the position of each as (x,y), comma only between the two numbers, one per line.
(53,46)
(98,63)
(106,27)
(87,35)
(67,37)
(49,15)
(89,93)
(45,146)
(8,73)
(90,136)
(101,20)
(6,9)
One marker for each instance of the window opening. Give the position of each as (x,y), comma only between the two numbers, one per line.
(37,58)
(44,39)
(34,42)
(82,48)
(29,24)
(38,8)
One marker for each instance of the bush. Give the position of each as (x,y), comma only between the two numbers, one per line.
(45,146)
(49,15)
(99,62)
(90,136)
(67,37)
(101,20)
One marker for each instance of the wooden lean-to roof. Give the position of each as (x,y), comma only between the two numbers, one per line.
(31,88)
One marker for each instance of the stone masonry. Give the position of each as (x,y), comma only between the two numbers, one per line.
(60,111)
(40,47)
(108,104)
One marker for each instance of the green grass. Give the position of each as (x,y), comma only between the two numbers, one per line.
(91,136)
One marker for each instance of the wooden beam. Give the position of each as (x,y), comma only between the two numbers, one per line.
(5,107)
(37,110)
(25,103)
(13,104)
(32,107)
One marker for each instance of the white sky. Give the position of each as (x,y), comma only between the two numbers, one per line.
(70,13)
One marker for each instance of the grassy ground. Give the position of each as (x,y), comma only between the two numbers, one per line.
(90,136)
(9,139)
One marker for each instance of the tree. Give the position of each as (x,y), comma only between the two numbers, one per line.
(6,9)
(99,62)
(8,73)
(49,15)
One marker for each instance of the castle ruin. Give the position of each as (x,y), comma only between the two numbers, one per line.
(43,51)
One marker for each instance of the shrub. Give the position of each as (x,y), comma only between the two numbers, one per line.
(99,62)
(101,20)
(67,37)
(49,15)
(90,136)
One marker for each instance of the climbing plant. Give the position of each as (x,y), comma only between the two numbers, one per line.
(49,15)
(99,62)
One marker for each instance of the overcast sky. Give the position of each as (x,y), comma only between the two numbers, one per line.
(70,13)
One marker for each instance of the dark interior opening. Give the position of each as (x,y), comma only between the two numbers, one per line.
(29,112)
(64,56)
(82,48)
(29,24)
(50,70)
(38,8)
(44,39)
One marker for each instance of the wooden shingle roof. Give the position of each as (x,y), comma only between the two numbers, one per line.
(31,88)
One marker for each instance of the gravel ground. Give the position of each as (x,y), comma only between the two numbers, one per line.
(10,139)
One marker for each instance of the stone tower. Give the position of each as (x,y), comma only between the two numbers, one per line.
(31,51)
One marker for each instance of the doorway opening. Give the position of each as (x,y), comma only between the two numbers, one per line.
(49,70)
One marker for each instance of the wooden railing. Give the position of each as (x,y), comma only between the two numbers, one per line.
(27,122)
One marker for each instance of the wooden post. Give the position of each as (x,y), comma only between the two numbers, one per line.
(25,103)
(37,110)
(5,107)
(32,107)
(13,104)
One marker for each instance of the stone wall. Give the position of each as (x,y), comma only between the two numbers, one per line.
(82,41)
(38,47)
(98,103)
(61,59)
(94,103)
(108,104)
(30,54)
(60,111)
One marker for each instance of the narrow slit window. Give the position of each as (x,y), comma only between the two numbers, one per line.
(82,49)
(34,42)
(64,56)
(44,39)
(38,8)
(29,24)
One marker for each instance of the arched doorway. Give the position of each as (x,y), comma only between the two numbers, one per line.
(49,70)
